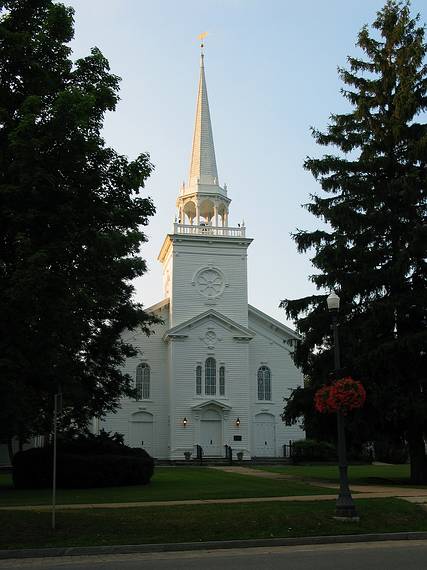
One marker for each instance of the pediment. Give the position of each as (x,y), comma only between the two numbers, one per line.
(183,330)
(211,404)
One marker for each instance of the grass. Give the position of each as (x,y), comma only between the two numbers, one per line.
(167,484)
(203,523)
(358,474)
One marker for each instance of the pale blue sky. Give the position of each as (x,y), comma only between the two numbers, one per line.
(271,69)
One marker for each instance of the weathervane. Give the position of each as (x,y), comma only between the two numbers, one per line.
(201,37)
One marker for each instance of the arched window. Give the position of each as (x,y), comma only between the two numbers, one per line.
(264,383)
(142,381)
(210,377)
(198,380)
(222,380)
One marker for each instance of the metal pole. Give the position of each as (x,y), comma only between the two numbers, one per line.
(55,418)
(345,507)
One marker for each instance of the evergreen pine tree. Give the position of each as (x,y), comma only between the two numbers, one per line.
(372,251)
(70,226)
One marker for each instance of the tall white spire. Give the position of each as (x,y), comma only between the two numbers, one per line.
(203,168)
(203,201)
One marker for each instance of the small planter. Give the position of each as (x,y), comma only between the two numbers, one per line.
(239,455)
(187,455)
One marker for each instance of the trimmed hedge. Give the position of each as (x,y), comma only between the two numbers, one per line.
(83,462)
(312,450)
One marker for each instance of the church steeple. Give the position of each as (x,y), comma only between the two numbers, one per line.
(201,223)
(203,202)
(203,168)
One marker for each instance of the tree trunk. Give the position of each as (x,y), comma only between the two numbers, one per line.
(417,456)
(10,448)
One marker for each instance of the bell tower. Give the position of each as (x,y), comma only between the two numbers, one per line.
(204,259)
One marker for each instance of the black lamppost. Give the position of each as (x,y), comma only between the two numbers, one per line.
(345,508)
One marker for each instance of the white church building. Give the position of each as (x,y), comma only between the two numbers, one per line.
(217,369)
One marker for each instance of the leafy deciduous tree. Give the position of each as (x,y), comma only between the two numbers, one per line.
(70,226)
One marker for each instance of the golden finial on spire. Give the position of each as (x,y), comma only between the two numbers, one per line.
(201,37)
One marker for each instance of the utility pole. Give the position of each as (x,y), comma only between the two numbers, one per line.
(57,408)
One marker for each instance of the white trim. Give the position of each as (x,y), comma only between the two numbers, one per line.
(211,402)
(158,305)
(271,321)
(243,332)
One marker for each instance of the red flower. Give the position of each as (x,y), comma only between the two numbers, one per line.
(341,396)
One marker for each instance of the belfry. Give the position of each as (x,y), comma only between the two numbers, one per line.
(214,374)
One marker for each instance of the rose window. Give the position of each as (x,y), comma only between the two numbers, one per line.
(210,283)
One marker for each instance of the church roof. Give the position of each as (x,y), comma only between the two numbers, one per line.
(273,323)
(158,306)
(240,331)
(203,168)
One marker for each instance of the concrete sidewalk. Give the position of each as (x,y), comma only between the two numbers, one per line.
(362,492)
(412,495)
(403,491)
(251,471)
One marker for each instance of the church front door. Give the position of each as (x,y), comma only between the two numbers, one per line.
(211,434)
(141,431)
(265,441)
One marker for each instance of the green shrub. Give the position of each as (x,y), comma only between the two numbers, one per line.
(32,468)
(312,450)
(103,443)
(85,461)
(391,452)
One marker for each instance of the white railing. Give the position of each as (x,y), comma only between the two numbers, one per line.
(217,231)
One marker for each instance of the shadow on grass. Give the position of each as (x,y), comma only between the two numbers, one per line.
(168,484)
(194,523)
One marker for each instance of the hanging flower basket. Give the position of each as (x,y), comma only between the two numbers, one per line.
(341,396)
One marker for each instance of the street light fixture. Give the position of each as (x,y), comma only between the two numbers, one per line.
(345,508)
(333,302)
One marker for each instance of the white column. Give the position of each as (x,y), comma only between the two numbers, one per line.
(216,214)
(197,214)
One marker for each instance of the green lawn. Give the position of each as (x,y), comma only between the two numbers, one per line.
(358,474)
(167,484)
(203,523)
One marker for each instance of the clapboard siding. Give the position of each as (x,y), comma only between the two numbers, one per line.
(190,256)
(173,356)
(270,348)
(153,351)
(187,354)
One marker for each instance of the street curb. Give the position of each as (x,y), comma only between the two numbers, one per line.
(214,545)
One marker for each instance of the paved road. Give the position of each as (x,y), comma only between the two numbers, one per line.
(407,555)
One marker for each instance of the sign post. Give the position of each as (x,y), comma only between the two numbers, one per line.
(57,405)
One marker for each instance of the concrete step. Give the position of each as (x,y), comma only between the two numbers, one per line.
(194,462)
(222,461)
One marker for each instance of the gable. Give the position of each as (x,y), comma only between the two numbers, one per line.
(184,329)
